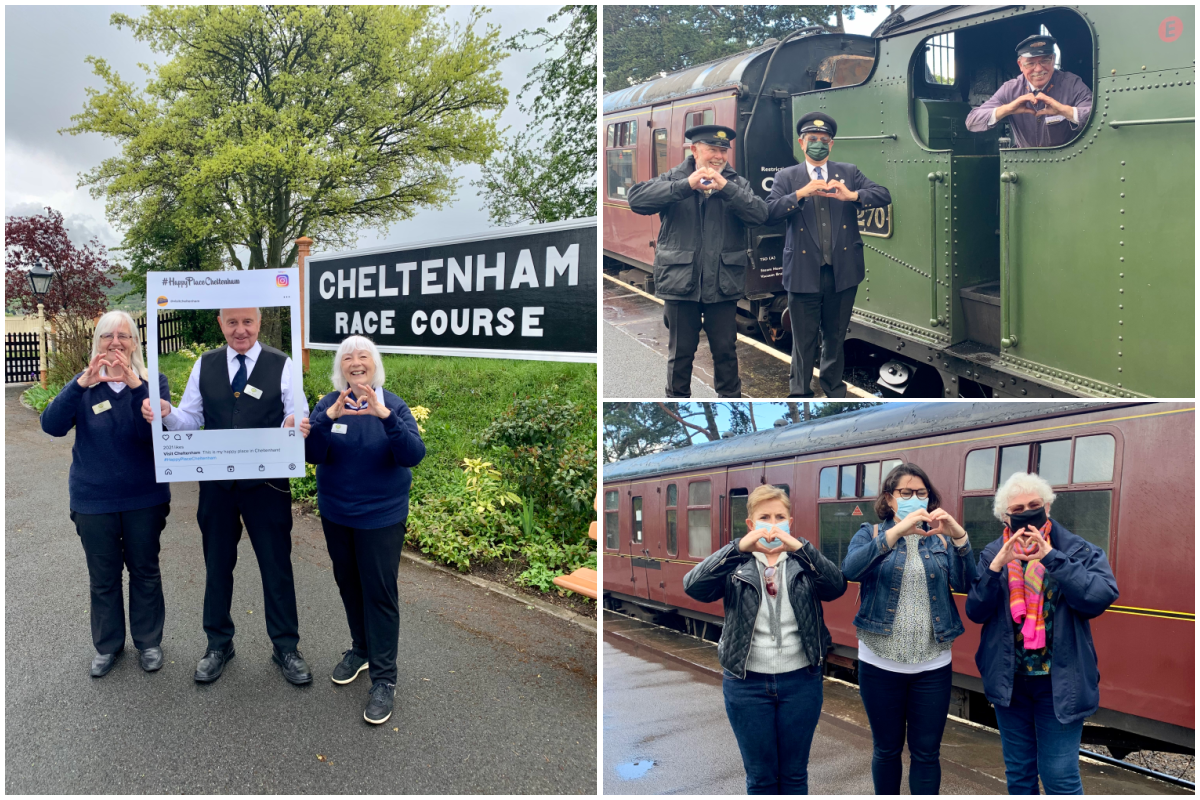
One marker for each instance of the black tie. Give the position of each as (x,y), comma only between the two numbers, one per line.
(239,377)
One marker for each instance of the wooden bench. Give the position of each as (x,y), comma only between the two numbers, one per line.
(582,580)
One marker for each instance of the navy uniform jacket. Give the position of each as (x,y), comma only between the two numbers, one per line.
(801,247)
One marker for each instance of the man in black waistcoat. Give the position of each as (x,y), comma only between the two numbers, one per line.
(243,385)
(822,251)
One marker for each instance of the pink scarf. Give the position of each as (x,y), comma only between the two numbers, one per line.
(1025,592)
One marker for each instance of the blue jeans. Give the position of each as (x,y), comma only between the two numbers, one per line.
(906,706)
(1035,743)
(774,718)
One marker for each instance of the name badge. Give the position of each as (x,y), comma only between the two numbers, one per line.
(339,427)
(253,392)
(100,408)
(1055,118)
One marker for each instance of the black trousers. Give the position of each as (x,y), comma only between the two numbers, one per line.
(829,312)
(365,566)
(266,509)
(112,543)
(719,321)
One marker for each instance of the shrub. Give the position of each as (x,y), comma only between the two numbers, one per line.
(39,398)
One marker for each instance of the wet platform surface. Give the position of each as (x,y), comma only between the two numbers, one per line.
(639,318)
(665,730)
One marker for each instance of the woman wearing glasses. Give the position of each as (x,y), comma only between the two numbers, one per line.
(907,566)
(364,442)
(773,642)
(118,509)
(1040,586)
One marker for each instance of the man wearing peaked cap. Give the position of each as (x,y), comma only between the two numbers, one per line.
(1045,107)
(701,255)
(822,251)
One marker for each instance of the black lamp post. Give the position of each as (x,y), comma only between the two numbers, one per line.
(39,282)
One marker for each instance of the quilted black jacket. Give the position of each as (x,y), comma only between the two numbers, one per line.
(732,575)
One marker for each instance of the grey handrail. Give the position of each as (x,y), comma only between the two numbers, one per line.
(1007,337)
(876,136)
(934,179)
(1125,123)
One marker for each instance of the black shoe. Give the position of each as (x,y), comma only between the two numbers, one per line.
(351,667)
(213,664)
(103,663)
(294,667)
(151,658)
(379,707)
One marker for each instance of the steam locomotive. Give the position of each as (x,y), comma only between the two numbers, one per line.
(1045,272)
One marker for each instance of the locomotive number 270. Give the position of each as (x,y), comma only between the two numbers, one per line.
(875,222)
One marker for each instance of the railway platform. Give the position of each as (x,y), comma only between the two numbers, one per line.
(665,730)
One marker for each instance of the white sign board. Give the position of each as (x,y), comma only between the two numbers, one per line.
(244,453)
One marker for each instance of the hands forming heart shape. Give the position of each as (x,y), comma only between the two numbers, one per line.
(365,403)
(117,369)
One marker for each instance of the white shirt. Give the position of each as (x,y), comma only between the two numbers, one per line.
(189,414)
(812,171)
(1055,118)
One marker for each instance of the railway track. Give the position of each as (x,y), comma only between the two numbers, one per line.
(701,631)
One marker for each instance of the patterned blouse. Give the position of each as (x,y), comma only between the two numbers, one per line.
(1037,662)
(911,640)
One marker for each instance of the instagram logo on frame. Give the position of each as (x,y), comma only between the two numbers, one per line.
(281,280)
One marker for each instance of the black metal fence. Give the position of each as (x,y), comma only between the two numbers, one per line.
(21,357)
(21,349)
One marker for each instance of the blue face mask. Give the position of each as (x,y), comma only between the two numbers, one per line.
(783,526)
(905,507)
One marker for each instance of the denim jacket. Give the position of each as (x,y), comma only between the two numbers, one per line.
(880,571)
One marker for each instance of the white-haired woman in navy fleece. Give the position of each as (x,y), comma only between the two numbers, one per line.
(363,440)
(118,509)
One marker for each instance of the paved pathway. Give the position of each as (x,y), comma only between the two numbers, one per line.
(493,695)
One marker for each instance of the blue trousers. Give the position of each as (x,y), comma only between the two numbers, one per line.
(1035,743)
(910,707)
(774,718)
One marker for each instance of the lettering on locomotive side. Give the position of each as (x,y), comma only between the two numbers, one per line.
(875,222)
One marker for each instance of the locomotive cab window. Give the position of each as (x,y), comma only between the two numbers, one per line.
(611,530)
(620,159)
(1081,470)
(699,519)
(960,70)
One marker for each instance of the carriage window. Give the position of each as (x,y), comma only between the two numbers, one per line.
(705,117)
(870,480)
(888,466)
(622,172)
(612,136)
(700,519)
(637,519)
(738,512)
(611,540)
(1053,461)
(672,495)
(672,522)
(1012,460)
(978,522)
(1085,514)
(981,469)
(662,162)
(829,482)
(850,480)
(838,524)
(1094,456)
(939,59)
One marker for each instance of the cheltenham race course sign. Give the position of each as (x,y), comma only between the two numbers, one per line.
(527,292)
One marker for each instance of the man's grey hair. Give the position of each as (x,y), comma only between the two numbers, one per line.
(109,324)
(1021,483)
(352,344)
(221,312)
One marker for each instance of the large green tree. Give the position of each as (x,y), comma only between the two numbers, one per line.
(547,170)
(267,123)
(641,42)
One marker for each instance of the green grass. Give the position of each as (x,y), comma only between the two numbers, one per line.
(463,395)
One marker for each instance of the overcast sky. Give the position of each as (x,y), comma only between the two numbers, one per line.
(45,79)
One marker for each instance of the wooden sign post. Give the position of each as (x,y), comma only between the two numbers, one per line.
(304,245)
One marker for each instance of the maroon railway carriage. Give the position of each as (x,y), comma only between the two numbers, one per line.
(1124,479)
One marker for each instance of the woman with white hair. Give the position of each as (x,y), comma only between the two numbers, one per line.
(1035,590)
(364,441)
(118,509)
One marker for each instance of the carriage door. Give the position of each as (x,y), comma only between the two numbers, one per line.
(652,549)
(742,481)
(632,540)
(660,157)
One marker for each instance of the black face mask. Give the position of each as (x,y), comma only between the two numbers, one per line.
(1033,516)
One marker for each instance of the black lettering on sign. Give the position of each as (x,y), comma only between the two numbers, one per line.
(875,222)
(526,292)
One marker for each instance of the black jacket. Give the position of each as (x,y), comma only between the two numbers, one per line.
(703,248)
(732,575)
(801,246)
